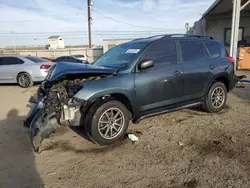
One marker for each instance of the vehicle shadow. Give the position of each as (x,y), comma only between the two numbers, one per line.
(17,160)
(81,131)
(243,93)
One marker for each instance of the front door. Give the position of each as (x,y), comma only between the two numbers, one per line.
(161,85)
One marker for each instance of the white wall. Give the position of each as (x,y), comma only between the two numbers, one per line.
(56,43)
(61,43)
(53,43)
(93,54)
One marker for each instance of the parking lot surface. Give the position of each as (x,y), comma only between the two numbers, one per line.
(189,148)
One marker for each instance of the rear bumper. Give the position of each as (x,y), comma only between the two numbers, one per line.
(232,82)
(40,76)
(39,79)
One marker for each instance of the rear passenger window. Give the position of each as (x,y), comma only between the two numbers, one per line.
(213,48)
(162,53)
(192,50)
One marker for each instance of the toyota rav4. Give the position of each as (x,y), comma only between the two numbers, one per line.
(132,81)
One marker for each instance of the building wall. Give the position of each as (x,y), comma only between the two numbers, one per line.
(53,43)
(217,29)
(108,44)
(198,28)
(61,43)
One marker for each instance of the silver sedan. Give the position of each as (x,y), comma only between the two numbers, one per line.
(24,70)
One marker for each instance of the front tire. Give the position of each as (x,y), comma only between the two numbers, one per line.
(216,98)
(109,122)
(24,80)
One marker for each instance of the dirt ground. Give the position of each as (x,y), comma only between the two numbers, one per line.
(189,148)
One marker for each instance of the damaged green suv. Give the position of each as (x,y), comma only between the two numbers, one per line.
(132,81)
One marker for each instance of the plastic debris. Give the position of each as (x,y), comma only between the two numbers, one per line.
(181,143)
(52,173)
(132,137)
(247,81)
(233,139)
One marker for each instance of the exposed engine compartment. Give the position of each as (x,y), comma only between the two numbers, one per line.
(58,99)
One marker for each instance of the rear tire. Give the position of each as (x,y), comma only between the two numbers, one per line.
(216,98)
(24,80)
(107,122)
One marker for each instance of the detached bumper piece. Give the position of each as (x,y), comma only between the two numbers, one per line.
(40,127)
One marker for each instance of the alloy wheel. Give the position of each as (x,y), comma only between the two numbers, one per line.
(24,80)
(218,97)
(111,123)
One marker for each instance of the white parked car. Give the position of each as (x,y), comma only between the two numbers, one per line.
(24,70)
(81,57)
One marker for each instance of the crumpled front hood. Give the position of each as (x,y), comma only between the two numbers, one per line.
(65,68)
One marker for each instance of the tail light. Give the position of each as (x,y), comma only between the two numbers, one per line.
(45,66)
(231,59)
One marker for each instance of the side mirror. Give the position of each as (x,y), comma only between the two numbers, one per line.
(145,64)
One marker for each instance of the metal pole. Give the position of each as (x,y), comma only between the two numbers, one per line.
(232,29)
(244,6)
(89,22)
(236,30)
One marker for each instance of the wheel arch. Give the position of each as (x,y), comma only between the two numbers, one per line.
(224,78)
(21,72)
(113,96)
(124,100)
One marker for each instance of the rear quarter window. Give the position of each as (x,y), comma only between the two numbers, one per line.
(214,48)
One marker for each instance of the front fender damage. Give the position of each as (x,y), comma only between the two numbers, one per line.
(56,106)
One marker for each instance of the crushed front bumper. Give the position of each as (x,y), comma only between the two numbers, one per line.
(40,127)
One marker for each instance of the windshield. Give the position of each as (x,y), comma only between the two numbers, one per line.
(36,59)
(121,55)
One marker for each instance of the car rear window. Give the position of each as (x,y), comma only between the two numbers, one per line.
(36,59)
(192,50)
(214,48)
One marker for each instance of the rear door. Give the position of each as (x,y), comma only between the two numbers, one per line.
(196,69)
(160,85)
(9,67)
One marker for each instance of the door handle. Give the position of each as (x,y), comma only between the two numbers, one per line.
(177,73)
(211,67)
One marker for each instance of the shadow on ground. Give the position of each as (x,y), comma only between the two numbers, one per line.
(243,93)
(17,160)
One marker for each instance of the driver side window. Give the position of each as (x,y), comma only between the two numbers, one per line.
(162,53)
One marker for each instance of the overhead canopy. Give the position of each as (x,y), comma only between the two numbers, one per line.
(223,6)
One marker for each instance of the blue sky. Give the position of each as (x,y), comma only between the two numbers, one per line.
(31,22)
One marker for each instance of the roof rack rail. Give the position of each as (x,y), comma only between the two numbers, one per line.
(186,35)
(175,35)
(201,36)
(150,37)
